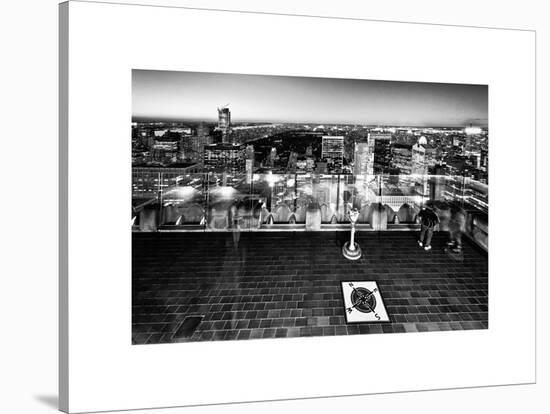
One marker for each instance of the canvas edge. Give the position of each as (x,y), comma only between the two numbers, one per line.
(63,311)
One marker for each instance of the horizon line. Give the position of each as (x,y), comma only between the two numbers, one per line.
(214,120)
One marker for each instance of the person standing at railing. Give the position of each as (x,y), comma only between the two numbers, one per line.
(236,219)
(457,226)
(428,221)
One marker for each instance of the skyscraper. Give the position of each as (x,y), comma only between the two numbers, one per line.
(249,162)
(484,162)
(203,129)
(192,147)
(380,143)
(401,158)
(272,157)
(292,161)
(224,122)
(419,164)
(361,159)
(332,150)
(226,158)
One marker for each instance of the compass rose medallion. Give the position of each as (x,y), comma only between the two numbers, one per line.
(363,302)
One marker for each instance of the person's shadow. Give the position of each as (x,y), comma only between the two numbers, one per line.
(51,401)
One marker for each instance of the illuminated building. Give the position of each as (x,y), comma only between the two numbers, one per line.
(380,143)
(292,161)
(147,182)
(419,164)
(321,168)
(224,122)
(174,132)
(362,155)
(401,158)
(192,147)
(249,162)
(432,156)
(332,150)
(484,162)
(272,157)
(301,165)
(164,152)
(471,130)
(227,158)
(145,137)
(203,129)
(250,152)
(457,141)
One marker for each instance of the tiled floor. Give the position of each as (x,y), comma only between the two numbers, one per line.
(288,284)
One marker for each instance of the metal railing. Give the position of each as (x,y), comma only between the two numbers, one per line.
(176,200)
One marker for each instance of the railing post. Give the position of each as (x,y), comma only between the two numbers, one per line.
(295,191)
(206,189)
(159,189)
(338,195)
(463,190)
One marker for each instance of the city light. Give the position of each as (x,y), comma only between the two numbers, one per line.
(392,165)
(472,130)
(184,192)
(223,192)
(271,179)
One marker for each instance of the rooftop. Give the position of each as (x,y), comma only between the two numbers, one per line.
(287,284)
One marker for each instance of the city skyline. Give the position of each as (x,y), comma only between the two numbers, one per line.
(194,96)
(258,177)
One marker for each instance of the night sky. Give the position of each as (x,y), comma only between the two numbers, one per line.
(259,98)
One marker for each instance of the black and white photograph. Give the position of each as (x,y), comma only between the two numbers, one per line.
(283,206)
(309,185)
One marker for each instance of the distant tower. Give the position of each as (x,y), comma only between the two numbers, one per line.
(224,122)
(250,152)
(272,157)
(292,161)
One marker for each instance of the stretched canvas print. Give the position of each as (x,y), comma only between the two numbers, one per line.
(248,200)
(254,197)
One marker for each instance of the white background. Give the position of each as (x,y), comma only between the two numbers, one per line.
(107,41)
(29,291)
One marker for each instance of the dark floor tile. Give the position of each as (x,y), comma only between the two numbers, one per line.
(244,334)
(269,333)
(279,284)
(188,326)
